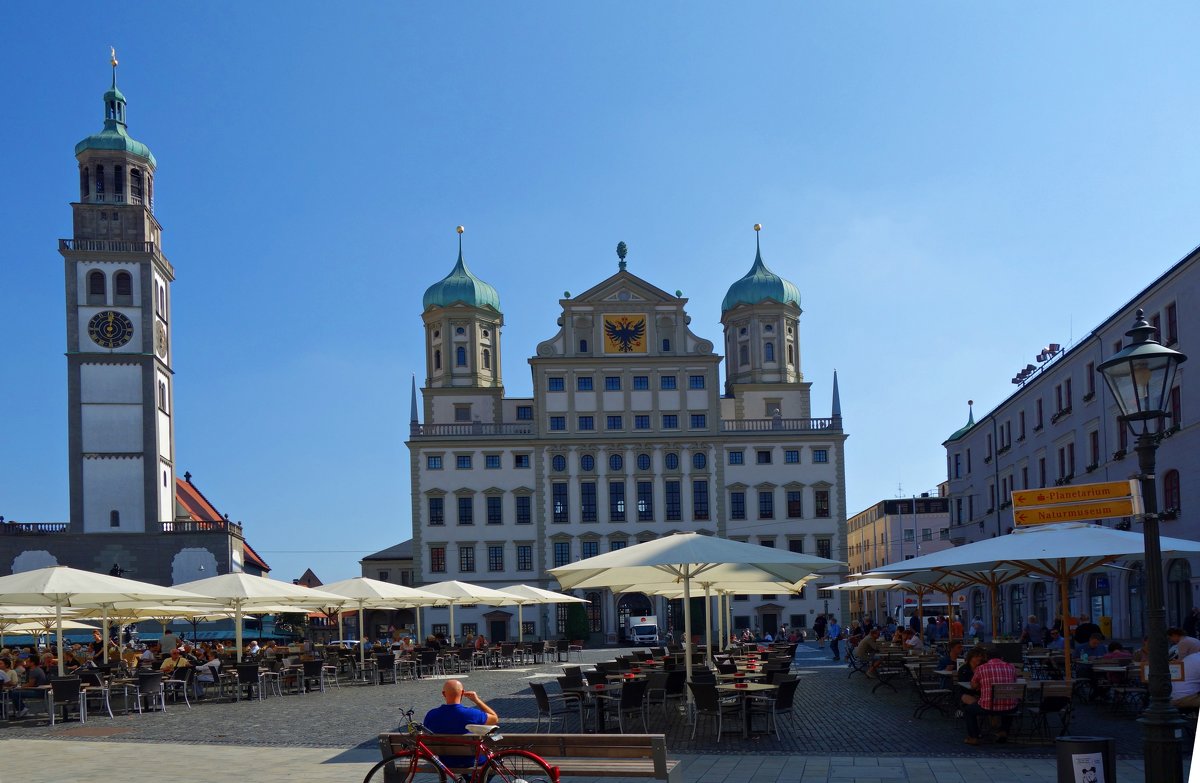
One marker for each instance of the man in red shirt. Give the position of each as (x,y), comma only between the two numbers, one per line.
(996,671)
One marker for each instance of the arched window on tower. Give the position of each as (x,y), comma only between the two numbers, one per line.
(743,355)
(119,183)
(460,356)
(114,518)
(123,288)
(487,359)
(135,185)
(100,181)
(791,356)
(437,360)
(768,352)
(97,288)
(84,182)
(583,346)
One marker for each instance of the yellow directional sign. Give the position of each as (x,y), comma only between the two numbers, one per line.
(1075,512)
(1080,493)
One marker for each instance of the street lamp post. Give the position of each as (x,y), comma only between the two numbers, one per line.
(1140,378)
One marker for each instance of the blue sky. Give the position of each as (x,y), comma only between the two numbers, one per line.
(950,185)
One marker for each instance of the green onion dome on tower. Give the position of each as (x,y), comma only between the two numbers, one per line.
(114,135)
(461,286)
(759,285)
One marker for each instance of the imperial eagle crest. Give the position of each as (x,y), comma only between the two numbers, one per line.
(625,334)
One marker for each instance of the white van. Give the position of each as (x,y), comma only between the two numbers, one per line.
(906,611)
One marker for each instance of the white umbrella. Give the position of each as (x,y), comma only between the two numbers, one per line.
(62,587)
(241,592)
(1060,552)
(454,593)
(363,593)
(527,594)
(686,558)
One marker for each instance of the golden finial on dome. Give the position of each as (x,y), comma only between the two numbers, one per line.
(758,226)
(459,229)
(112,55)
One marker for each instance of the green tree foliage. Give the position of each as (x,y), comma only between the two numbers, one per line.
(577,625)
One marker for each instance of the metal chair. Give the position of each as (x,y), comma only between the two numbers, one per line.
(1055,705)
(709,704)
(67,691)
(248,679)
(631,700)
(312,672)
(179,682)
(150,689)
(551,707)
(94,690)
(385,666)
(777,706)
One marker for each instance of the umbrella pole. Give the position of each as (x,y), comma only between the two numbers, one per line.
(994,589)
(520,623)
(451,623)
(708,623)
(721,637)
(417,632)
(237,631)
(687,624)
(104,634)
(58,622)
(1063,581)
(362,639)
(920,613)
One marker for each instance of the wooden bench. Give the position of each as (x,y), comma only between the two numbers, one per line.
(575,755)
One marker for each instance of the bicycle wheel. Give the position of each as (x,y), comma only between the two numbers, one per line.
(402,768)
(517,766)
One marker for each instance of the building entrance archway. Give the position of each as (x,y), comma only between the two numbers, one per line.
(631,604)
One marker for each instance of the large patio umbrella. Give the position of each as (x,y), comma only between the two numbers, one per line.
(454,593)
(239,593)
(16,615)
(688,559)
(364,593)
(527,594)
(1059,552)
(62,587)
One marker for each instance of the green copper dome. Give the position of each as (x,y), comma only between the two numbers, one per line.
(760,285)
(114,136)
(460,286)
(966,428)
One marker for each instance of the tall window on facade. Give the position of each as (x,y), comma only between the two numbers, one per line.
(766,504)
(487,359)
(562,554)
(119,182)
(466,511)
(460,356)
(162,396)
(616,501)
(587,501)
(466,558)
(1171,497)
(123,288)
(559,494)
(524,557)
(437,511)
(100,182)
(821,503)
(589,548)
(645,501)
(791,355)
(114,518)
(700,499)
(524,510)
(595,612)
(743,354)
(495,558)
(437,360)
(794,506)
(494,512)
(83,183)
(135,185)
(674,505)
(768,352)
(97,288)
(824,548)
(737,505)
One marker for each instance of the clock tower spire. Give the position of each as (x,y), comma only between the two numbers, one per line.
(119,378)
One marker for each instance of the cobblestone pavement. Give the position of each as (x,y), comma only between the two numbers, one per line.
(841,719)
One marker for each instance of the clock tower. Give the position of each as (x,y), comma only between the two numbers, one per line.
(118,304)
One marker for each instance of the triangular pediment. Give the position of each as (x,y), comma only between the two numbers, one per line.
(625,286)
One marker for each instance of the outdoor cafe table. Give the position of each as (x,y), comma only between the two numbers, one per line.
(743,691)
(600,694)
(741,676)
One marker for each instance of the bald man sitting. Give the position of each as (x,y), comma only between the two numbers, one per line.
(453,718)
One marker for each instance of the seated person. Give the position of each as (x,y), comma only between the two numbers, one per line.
(948,659)
(996,671)
(172,662)
(913,642)
(1183,644)
(149,655)
(252,649)
(1142,654)
(868,651)
(453,718)
(1056,640)
(1117,652)
(1094,648)
(1186,693)
(966,672)
(406,644)
(35,679)
(206,673)
(1034,632)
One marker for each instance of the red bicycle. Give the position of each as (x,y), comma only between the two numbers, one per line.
(417,762)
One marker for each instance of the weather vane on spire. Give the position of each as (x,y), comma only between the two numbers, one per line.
(112,55)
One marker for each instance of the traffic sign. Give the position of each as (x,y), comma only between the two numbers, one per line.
(1080,493)
(1076,512)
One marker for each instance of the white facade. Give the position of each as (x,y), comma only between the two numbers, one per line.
(615,447)
(1060,427)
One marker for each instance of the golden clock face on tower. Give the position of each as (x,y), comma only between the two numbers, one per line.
(160,340)
(110,329)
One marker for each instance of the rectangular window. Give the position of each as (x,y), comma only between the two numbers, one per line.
(1021,424)
(1094,447)
(612,383)
(562,553)
(674,505)
(588,549)
(587,500)
(910,535)
(440,629)
(926,534)
(494,514)
(495,558)
(437,511)
(820,455)
(968,462)
(645,501)
(1089,379)
(559,495)
(491,461)
(737,505)
(1037,415)
(699,421)
(737,458)
(1175,407)
(466,511)
(796,545)
(1024,477)
(695,381)
(614,423)
(433,462)
(462,412)
(824,548)
(1067,394)
(437,559)
(766,504)
(466,559)
(666,382)
(587,423)
(821,503)
(795,507)
(558,423)
(641,382)
(524,557)
(763,457)
(791,456)
(699,499)
(462,462)
(1041,471)
(521,461)
(524,413)
(613,546)
(1172,335)
(555,384)
(524,509)
(616,501)
(641,422)
(670,421)
(583,383)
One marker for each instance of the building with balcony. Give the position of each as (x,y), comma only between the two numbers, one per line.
(630,434)
(1060,427)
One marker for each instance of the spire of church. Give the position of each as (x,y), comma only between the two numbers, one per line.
(412,416)
(837,398)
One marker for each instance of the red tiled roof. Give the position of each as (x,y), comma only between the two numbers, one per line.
(252,557)
(199,509)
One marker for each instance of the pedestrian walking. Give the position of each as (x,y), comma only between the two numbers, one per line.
(835,636)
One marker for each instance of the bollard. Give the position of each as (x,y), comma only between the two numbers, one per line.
(1086,759)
